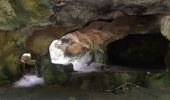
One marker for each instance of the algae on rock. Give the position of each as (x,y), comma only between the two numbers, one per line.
(54,74)
(10,54)
(158,80)
(15,14)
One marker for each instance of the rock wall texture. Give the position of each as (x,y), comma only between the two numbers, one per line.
(16,14)
(10,54)
(79,12)
(41,36)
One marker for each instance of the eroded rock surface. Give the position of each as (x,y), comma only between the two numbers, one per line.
(79,12)
(83,47)
(41,36)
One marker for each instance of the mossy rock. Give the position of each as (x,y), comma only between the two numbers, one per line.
(54,74)
(5,78)
(158,80)
(10,55)
(4,81)
(15,14)
(122,77)
(7,14)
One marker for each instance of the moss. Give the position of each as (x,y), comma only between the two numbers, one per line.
(158,80)
(38,8)
(54,74)
(124,77)
(15,14)
(7,14)
(5,77)
(9,56)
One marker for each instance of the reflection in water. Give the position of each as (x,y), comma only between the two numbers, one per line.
(29,81)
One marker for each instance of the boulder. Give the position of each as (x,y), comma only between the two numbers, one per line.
(54,74)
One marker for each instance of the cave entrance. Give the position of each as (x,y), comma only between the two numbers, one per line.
(146,51)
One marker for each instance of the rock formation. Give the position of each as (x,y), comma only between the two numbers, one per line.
(79,12)
(31,25)
(38,34)
(89,45)
(10,54)
(17,14)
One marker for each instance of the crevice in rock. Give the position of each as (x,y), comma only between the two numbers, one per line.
(146,51)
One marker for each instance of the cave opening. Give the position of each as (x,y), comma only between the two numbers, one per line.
(143,51)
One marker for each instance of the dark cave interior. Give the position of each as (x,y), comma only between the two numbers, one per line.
(139,51)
